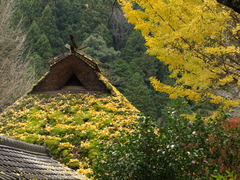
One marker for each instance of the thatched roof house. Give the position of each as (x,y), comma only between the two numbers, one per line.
(72,72)
(70,110)
(19,160)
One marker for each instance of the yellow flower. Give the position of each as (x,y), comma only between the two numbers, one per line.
(66,144)
(191,117)
(73,161)
(85,144)
(85,171)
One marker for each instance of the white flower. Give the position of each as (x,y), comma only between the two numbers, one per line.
(194,132)
(172,146)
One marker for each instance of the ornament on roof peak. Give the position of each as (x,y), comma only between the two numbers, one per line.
(73,47)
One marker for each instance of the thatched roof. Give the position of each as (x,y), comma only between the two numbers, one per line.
(70,124)
(72,73)
(20,160)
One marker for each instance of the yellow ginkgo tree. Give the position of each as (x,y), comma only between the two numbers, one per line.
(199,42)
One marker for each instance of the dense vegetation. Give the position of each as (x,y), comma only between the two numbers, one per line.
(104,137)
(90,133)
(72,127)
(180,149)
(111,40)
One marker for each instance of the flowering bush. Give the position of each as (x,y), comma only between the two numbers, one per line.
(103,136)
(73,127)
(182,149)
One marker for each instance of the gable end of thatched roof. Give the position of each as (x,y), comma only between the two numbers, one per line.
(72,73)
(87,59)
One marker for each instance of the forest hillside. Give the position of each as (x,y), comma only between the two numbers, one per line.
(176,63)
(111,40)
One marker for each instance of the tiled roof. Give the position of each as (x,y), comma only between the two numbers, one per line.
(19,160)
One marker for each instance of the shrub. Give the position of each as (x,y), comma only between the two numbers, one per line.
(182,149)
(228,176)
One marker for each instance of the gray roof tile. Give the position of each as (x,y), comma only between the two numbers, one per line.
(19,160)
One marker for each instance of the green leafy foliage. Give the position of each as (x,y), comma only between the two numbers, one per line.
(97,48)
(130,74)
(48,25)
(229,176)
(137,91)
(181,149)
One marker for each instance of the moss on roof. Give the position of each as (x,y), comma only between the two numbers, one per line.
(70,125)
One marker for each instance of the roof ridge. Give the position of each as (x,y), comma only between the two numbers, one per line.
(86,58)
(16,144)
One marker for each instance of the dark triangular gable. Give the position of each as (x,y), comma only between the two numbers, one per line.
(71,73)
(73,81)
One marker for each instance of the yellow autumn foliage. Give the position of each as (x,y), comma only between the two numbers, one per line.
(198,41)
(71,125)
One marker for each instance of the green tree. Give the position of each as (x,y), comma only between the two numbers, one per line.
(139,94)
(38,64)
(40,49)
(44,47)
(134,46)
(135,60)
(34,33)
(30,10)
(119,73)
(48,25)
(97,48)
(104,32)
